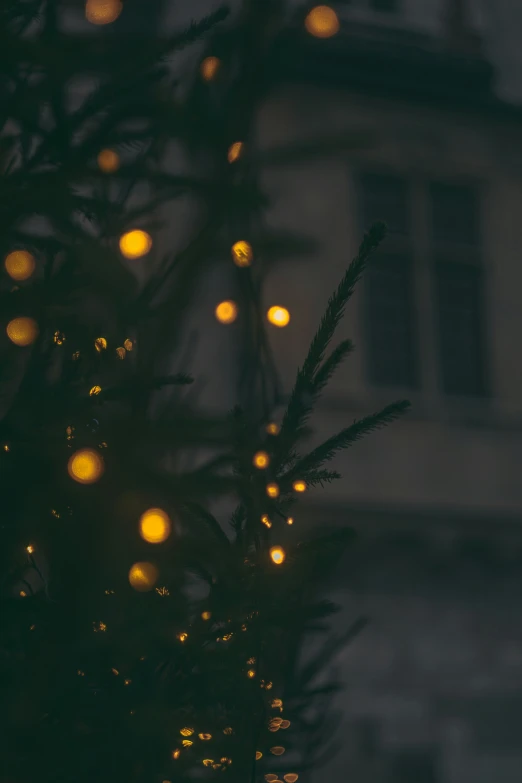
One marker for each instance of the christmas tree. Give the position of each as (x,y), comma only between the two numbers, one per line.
(145,638)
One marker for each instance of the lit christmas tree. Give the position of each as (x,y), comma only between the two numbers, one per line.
(143,638)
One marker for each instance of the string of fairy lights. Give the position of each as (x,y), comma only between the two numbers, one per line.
(86,466)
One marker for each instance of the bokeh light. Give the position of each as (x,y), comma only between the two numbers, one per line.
(272,490)
(209,68)
(143,576)
(22,331)
(291,777)
(267,522)
(100,344)
(226,312)
(108,161)
(155,526)
(261,460)
(85,466)
(272,428)
(19,264)
(94,391)
(206,615)
(322,22)
(103,11)
(242,253)
(299,485)
(277,554)
(277,750)
(135,243)
(278,316)
(234,151)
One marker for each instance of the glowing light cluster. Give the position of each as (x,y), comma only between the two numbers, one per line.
(22,331)
(143,576)
(19,265)
(85,466)
(155,526)
(277,555)
(242,253)
(226,312)
(135,243)
(234,151)
(278,316)
(299,485)
(103,11)
(261,460)
(272,490)
(322,22)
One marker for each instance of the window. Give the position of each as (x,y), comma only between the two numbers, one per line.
(458,288)
(388,284)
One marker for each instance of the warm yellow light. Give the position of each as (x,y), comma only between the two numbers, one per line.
(285,724)
(108,161)
(206,615)
(322,22)
(176,753)
(228,730)
(85,466)
(272,490)
(270,777)
(277,750)
(277,554)
(251,673)
(22,331)
(276,703)
(278,316)
(205,736)
(272,428)
(121,352)
(259,755)
(155,526)
(128,344)
(6,447)
(242,253)
(186,732)
(29,549)
(234,151)
(75,356)
(299,485)
(207,762)
(267,522)
(182,636)
(19,264)
(209,68)
(291,777)
(261,460)
(94,391)
(290,521)
(127,682)
(187,743)
(276,721)
(103,11)
(226,312)
(100,344)
(143,576)
(135,243)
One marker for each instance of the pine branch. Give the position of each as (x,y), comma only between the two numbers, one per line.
(347,437)
(330,365)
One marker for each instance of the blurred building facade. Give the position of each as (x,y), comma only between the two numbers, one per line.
(428,97)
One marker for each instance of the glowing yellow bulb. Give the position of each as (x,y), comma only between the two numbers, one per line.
(299,485)
(205,736)
(206,615)
(272,490)
(234,151)
(278,316)
(259,755)
(103,11)
(276,703)
(22,331)
(94,391)
(6,447)
(291,777)
(29,549)
(128,344)
(182,636)
(272,428)
(277,750)
(121,352)
(143,576)
(19,265)
(267,522)
(155,526)
(290,521)
(186,732)
(276,721)
(242,253)
(187,743)
(261,460)
(251,673)
(226,312)
(176,753)
(85,466)
(135,243)
(285,724)
(277,554)
(108,161)
(209,68)
(322,22)
(100,344)
(207,762)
